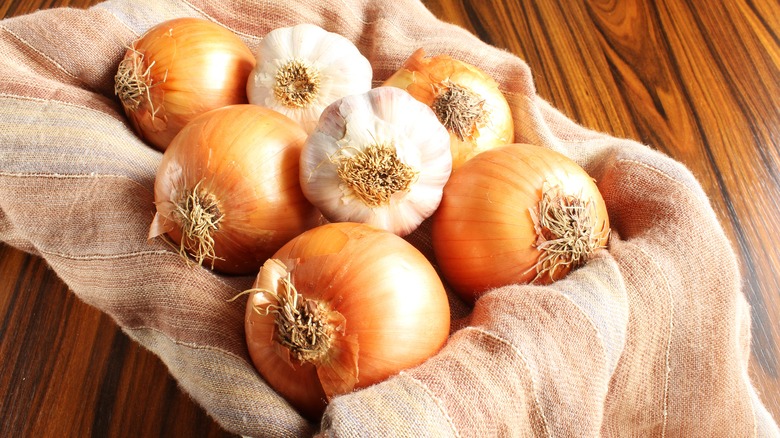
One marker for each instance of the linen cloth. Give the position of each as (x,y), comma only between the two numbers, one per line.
(651,338)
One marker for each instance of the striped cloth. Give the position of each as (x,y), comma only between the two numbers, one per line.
(649,339)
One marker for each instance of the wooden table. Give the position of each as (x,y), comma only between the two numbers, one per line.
(700,83)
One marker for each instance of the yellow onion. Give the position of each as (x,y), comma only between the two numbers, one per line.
(177,70)
(227,189)
(515,214)
(467,101)
(343,306)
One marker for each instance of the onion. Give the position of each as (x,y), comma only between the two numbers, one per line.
(177,70)
(466,100)
(515,214)
(227,188)
(340,307)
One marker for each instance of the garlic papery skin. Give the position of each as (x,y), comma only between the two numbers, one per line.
(380,158)
(302,69)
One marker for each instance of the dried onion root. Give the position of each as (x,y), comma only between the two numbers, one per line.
(460,110)
(133,81)
(567,230)
(304,327)
(198,214)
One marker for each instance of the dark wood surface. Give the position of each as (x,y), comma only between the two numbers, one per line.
(699,81)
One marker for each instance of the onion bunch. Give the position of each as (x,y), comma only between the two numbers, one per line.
(246,188)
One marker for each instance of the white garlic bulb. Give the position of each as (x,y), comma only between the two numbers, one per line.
(380,158)
(302,69)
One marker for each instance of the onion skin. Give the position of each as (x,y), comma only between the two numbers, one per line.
(393,303)
(423,76)
(247,158)
(483,233)
(194,66)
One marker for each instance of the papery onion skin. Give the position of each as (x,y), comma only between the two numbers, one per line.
(424,77)
(246,157)
(390,296)
(192,66)
(484,234)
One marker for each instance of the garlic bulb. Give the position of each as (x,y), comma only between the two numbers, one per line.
(302,69)
(380,158)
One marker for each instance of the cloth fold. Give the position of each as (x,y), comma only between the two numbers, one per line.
(651,338)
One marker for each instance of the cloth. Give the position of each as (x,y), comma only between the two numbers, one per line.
(651,338)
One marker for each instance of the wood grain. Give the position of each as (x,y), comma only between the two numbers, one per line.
(697,82)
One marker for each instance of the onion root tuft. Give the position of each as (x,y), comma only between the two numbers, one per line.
(133,82)
(460,110)
(301,324)
(198,213)
(566,232)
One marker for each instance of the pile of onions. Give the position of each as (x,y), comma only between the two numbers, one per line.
(240,188)
(516,214)
(177,70)
(227,189)
(466,100)
(341,307)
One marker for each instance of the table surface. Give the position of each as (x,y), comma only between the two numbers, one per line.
(700,84)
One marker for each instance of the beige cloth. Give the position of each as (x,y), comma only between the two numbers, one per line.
(649,339)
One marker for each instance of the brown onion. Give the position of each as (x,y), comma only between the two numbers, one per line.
(516,214)
(227,189)
(177,70)
(340,307)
